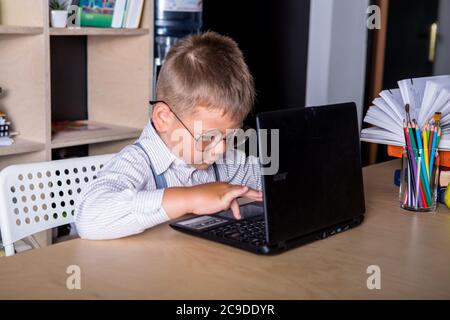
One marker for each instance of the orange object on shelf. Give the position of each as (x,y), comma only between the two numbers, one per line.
(396,152)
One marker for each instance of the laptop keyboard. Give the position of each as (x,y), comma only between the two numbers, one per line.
(246,231)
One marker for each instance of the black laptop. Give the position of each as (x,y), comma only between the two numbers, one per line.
(317,191)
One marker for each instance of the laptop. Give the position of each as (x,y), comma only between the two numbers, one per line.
(317,191)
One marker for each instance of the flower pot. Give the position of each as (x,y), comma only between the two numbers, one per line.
(59,18)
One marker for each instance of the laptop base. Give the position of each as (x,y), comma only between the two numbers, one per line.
(207,227)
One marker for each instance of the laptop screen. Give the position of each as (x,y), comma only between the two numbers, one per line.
(319,179)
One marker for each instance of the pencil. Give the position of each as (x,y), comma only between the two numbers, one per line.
(414,156)
(433,149)
(437,148)
(425,150)
(408,116)
(409,157)
(423,170)
(430,138)
(418,182)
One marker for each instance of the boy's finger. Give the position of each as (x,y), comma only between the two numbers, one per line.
(234,206)
(253,194)
(235,192)
(259,199)
(254,199)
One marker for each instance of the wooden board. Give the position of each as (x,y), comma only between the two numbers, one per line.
(22,13)
(119,86)
(21,145)
(106,132)
(97,32)
(23,79)
(20,30)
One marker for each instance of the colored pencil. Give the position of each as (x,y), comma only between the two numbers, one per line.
(414,157)
(425,183)
(417,183)
(425,151)
(433,150)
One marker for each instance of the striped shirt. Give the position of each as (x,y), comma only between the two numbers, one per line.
(123,200)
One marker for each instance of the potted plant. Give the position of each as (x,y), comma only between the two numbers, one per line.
(58,13)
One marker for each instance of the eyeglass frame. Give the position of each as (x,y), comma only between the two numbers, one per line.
(196,139)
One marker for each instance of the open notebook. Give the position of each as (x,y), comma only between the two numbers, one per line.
(425,97)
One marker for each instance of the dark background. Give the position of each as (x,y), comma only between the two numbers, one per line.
(273,36)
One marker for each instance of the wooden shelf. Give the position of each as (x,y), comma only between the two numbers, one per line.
(20,30)
(97,32)
(21,146)
(117,66)
(102,133)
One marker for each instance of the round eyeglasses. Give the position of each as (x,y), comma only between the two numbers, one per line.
(212,137)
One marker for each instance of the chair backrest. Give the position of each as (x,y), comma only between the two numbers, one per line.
(39,196)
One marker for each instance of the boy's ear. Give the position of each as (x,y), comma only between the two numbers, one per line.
(161,117)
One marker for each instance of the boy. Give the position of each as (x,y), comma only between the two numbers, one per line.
(180,164)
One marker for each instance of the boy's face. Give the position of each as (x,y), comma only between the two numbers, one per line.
(199,142)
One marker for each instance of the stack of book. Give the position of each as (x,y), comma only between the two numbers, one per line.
(110,13)
(425,97)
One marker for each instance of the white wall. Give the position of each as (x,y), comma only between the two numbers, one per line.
(442,65)
(337,52)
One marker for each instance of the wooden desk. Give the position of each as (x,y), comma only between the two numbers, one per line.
(412,250)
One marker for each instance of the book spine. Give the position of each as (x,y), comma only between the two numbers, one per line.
(95,20)
(125,14)
(96,16)
(134,14)
(119,10)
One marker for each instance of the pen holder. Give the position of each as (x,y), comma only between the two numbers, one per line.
(419,179)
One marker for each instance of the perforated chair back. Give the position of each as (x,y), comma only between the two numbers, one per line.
(40,196)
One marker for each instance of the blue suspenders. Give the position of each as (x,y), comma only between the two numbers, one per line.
(160,180)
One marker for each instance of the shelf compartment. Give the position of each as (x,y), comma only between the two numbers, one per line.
(21,146)
(94,132)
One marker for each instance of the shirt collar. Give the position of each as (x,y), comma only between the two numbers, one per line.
(159,153)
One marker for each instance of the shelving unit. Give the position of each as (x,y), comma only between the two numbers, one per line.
(114,101)
(97,32)
(118,76)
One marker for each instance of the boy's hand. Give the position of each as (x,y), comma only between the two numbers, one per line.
(214,197)
(207,199)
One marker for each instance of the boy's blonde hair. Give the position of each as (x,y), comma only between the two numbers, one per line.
(206,70)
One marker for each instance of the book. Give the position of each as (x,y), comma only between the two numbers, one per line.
(133,14)
(425,97)
(119,12)
(125,14)
(96,13)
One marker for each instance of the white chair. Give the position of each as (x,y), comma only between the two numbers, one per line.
(39,196)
